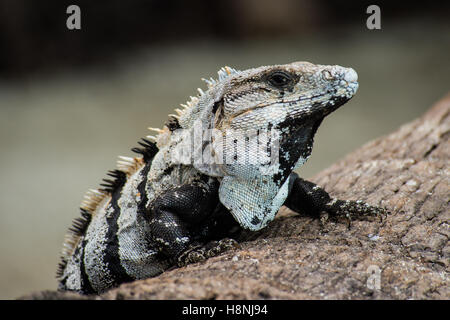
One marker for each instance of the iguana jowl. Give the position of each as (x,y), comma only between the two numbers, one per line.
(156,210)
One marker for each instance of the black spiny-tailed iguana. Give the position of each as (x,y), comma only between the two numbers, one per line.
(225,162)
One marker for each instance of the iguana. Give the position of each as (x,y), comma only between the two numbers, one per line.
(223,163)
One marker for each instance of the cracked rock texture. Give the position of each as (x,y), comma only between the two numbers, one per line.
(404,257)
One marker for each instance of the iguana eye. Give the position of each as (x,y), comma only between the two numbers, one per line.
(279,79)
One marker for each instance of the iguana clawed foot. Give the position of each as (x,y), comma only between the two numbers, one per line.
(308,198)
(198,253)
(352,210)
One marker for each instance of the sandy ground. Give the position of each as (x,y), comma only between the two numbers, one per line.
(60,133)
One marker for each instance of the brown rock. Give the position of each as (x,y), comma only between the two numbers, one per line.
(298,257)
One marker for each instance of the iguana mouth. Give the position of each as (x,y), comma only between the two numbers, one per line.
(315,99)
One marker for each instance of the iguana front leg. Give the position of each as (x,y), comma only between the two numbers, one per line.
(308,198)
(173,215)
(174,219)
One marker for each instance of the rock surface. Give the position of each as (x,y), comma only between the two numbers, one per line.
(298,257)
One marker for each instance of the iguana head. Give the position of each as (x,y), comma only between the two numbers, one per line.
(266,96)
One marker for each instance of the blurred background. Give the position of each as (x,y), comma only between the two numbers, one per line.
(71,101)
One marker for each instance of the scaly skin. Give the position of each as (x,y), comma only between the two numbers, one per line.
(225,162)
